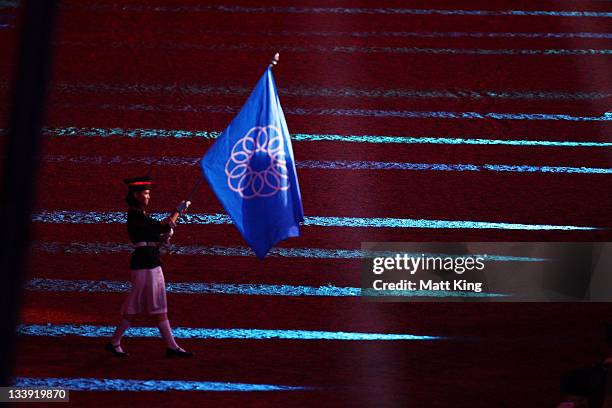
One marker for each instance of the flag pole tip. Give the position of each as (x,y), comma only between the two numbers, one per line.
(274,60)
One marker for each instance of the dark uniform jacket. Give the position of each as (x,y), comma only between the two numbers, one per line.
(142,228)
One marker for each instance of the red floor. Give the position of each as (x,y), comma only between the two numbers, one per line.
(497,355)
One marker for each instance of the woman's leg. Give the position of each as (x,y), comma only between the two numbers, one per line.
(166,331)
(125,323)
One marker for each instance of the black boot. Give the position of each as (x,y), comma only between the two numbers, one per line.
(113,349)
(177,353)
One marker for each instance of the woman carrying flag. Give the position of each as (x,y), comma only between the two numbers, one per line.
(148,294)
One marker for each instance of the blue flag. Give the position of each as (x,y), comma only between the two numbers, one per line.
(252,171)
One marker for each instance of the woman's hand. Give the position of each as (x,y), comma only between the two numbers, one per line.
(182,206)
(179,210)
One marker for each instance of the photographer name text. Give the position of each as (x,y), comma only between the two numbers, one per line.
(430,285)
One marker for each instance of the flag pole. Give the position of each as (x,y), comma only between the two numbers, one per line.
(195,187)
(273,63)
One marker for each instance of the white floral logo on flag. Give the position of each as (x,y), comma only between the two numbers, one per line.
(257,166)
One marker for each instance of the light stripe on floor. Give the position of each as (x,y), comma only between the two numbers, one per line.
(93,286)
(371,165)
(121,384)
(115,247)
(202,89)
(371,113)
(418,34)
(83,330)
(336,164)
(316,221)
(144,133)
(342,49)
(394,34)
(337,10)
(320,91)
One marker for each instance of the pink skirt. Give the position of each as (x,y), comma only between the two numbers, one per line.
(148,295)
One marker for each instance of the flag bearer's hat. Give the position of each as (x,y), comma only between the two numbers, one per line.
(138,183)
